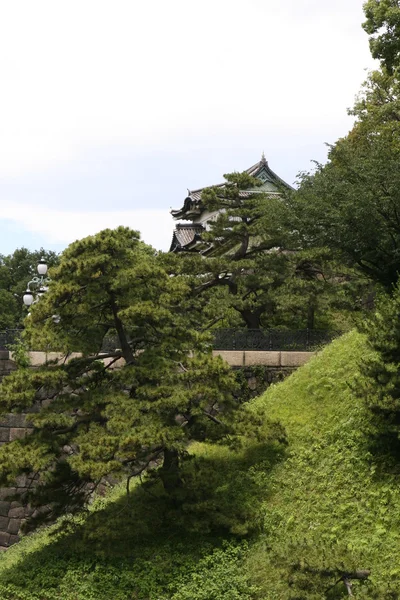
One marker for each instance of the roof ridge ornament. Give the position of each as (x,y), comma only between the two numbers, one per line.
(263,159)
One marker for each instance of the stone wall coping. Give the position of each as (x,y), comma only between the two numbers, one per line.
(295,359)
(247,358)
(235,358)
(262,357)
(37,359)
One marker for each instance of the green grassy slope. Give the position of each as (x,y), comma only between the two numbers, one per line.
(336,502)
(330,504)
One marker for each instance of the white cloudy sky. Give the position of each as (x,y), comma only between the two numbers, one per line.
(110,109)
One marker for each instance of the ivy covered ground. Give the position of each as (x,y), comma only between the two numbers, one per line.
(276,522)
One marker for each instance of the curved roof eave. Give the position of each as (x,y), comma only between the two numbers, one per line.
(187,211)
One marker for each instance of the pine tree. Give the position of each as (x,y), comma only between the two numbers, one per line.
(120,410)
(258,271)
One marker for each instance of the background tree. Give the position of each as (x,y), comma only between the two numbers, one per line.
(378,104)
(383,25)
(352,204)
(257,271)
(101,420)
(15,271)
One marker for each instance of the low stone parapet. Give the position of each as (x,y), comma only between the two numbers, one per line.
(250,358)
(261,357)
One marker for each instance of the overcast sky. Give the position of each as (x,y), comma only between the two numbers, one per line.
(111,109)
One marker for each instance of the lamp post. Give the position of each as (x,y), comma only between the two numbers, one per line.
(38,285)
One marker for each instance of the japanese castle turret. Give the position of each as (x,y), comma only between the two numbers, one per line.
(187,237)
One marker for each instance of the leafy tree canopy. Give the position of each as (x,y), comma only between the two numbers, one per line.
(352,204)
(15,271)
(383,25)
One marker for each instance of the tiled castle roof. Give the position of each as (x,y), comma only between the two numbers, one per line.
(184,235)
(192,205)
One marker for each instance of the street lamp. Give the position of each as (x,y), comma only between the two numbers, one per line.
(38,284)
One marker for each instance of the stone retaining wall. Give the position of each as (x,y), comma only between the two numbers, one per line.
(276,366)
(12,513)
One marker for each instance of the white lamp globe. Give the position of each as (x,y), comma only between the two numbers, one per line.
(42,267)
(28,298)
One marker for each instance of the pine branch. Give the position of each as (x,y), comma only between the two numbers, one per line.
(212,418)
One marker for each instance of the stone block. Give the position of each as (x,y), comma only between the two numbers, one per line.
(37,358)
(295,359)
(234,358)
(24,480)
(3,524)
(4,538)
(13,539)
(4,355)
(4,434)
(17,433)
(6,492)
(118,364)
(17,513)
(262,357)
(13,526)
(7,366)
(14,420)
(40,358)
(4,508)
(252,382)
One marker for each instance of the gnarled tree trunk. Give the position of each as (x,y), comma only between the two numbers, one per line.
(169,472)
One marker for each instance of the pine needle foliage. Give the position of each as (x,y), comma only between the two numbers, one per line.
(258,271)
(111,413)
